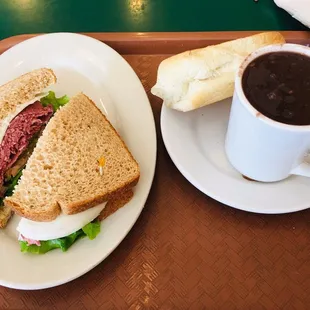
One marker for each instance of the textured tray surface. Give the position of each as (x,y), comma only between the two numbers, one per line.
(187,251)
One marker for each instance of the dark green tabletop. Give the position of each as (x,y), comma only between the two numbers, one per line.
(34,16)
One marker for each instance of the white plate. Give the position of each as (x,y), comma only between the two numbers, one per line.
(82,64)
(195,143)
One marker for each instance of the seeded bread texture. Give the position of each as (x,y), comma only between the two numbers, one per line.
(62,173)
(24,89)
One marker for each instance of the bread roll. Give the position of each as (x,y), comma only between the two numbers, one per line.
(196,78)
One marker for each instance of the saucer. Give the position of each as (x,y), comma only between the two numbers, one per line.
(195,143)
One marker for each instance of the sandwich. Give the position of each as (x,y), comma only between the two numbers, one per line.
(200,77)
(79,172)
(24,112)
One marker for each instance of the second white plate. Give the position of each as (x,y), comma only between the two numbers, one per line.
(195,143)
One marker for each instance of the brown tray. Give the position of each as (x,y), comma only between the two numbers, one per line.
(187,251)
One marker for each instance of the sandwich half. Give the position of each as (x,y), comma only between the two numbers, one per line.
(79,163)
(24,113)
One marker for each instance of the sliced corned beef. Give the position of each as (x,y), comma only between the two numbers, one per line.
(19,133)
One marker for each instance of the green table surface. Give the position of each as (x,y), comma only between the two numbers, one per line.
(35,16)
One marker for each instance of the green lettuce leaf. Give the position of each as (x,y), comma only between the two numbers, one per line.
(90,230)
(13,182)
(51,99)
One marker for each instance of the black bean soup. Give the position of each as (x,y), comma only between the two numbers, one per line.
(278,86)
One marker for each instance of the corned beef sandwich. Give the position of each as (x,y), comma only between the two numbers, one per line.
(63,167)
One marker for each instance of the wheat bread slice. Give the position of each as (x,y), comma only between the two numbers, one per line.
(23,89)
(63,175)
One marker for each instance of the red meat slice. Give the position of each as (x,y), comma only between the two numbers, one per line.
(19,133)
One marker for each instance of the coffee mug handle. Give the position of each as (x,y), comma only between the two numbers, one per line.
(303,169)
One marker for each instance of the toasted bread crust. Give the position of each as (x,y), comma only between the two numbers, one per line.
(112,196)
(5,215)
(44,217)
(115,204)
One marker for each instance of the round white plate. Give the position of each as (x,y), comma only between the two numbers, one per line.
(195,143)
(82,64)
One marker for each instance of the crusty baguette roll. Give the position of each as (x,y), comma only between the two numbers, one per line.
(23,89)
(196,78)
(63,172)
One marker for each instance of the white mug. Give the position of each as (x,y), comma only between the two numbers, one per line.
(258,147)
